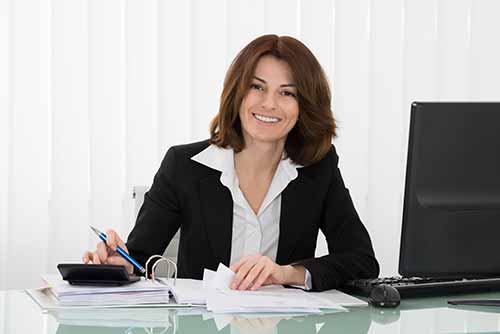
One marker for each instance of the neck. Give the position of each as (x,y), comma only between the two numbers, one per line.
(259,158)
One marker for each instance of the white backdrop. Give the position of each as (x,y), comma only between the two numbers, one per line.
(93,92)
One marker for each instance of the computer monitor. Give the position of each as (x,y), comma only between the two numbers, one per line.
(451,211)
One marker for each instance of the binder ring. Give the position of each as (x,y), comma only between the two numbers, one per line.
(161,258)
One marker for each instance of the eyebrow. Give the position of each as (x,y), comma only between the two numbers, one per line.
(285,85)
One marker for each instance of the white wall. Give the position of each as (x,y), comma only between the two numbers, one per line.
(92,93)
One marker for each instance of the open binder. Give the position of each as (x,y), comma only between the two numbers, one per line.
(149,291)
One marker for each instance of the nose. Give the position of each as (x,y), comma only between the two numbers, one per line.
(269,101)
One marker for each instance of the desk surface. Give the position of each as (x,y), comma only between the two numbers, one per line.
(19,314)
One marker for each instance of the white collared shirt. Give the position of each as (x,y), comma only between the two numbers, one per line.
(252,233)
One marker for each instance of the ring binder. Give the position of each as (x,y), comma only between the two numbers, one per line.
(161,259)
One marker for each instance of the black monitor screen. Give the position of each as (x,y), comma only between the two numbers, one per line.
(451,212)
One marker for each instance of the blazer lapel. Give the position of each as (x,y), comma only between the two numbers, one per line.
(217,207)
(297,195)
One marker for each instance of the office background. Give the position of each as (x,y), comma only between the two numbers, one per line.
(93,92)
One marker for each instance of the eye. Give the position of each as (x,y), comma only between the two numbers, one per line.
(287,93)
(256,86)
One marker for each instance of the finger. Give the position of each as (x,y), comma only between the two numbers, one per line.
(115,241)
(117,260)
(240,274)
(102,251)
(122,244)
(243,272)
(235,267)
(112,239)
(264,265)
(252,275)
(120,261)
(95,258)
(262,279)
(86,257)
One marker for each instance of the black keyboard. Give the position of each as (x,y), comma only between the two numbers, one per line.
(425,286)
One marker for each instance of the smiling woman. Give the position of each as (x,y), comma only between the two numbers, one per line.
(255,195)
(288,76)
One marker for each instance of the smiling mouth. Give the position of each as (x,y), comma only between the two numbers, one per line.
(266,119)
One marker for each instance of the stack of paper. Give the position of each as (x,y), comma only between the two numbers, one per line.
(142,292)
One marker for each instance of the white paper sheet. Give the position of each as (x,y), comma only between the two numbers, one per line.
(222,299)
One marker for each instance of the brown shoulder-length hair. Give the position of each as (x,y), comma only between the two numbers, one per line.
(310,139)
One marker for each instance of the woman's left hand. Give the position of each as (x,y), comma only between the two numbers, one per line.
(254,271)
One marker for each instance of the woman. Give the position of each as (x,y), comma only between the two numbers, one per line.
(255,195)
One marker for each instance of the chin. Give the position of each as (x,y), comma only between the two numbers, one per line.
(265,138)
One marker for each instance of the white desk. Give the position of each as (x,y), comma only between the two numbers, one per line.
(19,314)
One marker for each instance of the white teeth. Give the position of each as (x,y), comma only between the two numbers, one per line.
(266,119)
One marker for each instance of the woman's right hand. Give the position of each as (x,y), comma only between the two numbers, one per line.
(106,252)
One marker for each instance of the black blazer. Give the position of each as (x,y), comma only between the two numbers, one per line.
(188,195)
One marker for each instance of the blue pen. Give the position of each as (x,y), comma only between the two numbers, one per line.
(120,251)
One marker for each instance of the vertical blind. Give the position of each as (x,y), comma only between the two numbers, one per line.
(92,94)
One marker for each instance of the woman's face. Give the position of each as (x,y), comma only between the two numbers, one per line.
(270,108)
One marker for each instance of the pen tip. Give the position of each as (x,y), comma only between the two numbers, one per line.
(95,230)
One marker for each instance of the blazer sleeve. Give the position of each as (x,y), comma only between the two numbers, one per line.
(160,216)
(350,250)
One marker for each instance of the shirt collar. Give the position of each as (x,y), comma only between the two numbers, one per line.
(222,159)
(218,158)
